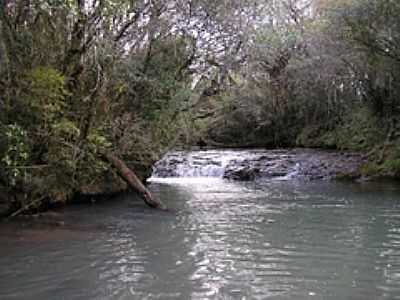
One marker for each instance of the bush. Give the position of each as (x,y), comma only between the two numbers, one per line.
(361,131)
(392,166)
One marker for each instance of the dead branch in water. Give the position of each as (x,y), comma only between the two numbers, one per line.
(133,181)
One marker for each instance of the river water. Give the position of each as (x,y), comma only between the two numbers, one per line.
(266,239)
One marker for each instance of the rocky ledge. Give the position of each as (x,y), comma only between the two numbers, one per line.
(297,164)
(246,165)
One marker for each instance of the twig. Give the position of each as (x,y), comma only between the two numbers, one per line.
(27,167)
(25,207)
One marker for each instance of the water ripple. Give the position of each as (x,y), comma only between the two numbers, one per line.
(220,240)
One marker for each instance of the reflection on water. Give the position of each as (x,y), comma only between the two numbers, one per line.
(220,240)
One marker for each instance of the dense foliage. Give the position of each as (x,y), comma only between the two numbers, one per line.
(135,78)
(81,78)
(320,74)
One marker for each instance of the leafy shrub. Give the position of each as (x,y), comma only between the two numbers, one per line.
(16,153)
(392,166)
(361,130)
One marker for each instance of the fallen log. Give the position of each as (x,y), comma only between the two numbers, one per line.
(133,181)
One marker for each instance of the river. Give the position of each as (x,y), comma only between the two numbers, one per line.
(220,239)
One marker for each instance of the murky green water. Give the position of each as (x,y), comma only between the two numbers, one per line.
(221,240)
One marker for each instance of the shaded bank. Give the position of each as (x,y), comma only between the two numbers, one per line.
(14,203)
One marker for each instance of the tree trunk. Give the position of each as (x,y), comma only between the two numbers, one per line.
(134,182)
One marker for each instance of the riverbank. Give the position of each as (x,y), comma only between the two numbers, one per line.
(242,165)
(45,214)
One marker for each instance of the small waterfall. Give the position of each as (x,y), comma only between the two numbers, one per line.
(248,165)
(195,164)
(292,173)
(184,170)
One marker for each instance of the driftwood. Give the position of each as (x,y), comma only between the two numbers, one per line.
(133,181)
(25,207)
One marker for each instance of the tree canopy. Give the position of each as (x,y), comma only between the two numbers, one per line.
(79,78)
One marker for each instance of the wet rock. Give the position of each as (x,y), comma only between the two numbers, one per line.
(275,173)
(299,164)
(242,173)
